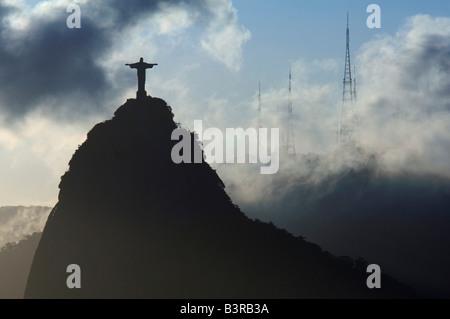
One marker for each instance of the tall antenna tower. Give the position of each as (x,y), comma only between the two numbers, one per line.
(348,121)
(290,142)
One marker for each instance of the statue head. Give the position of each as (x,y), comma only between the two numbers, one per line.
(141,60)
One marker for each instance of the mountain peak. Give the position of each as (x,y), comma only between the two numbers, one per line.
(141,226)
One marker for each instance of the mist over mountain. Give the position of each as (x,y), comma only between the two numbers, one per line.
(141,226)
(16,222)
(351,205)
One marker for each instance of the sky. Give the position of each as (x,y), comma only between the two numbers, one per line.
(56,83)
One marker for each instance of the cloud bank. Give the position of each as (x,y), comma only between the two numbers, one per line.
(405,95)
(45,65)
(403,103)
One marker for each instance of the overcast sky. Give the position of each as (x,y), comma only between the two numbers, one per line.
(56,83)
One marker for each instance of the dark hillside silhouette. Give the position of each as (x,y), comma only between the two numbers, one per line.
(15,264)
(140,226)
(399,220)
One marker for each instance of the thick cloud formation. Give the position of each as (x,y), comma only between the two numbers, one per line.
(404,100)
(403,104)
(54,64)
(46,65)
(125,13)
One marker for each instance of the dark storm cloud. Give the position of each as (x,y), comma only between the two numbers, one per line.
(53,62)
(55,66)
(4,11)
(430,59)
(410,69)
(129,12)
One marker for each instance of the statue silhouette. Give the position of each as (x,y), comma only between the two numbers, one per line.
(141,66)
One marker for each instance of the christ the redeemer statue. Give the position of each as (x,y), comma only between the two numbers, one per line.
(141,66)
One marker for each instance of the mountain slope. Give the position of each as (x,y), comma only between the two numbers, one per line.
(140,226)
(399,220)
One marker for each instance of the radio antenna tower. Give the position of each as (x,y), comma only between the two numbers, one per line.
(348,121)
(290,143)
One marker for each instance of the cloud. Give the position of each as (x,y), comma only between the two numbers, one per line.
(45,65)
(34,156)
(403,103)
(55,65)
(327,64)
(402,106)
(17,222)
(224,37)
(404,97)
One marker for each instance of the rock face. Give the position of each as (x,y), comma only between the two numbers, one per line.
(141,226)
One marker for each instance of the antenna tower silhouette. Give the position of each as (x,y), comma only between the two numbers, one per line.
(290,141)
(348,124)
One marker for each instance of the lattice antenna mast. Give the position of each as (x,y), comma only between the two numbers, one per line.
(290,134)
(347,126)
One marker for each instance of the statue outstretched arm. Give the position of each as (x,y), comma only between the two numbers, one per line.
(133,65)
